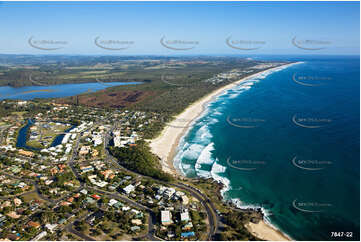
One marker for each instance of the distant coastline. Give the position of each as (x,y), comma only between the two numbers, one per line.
(166,144)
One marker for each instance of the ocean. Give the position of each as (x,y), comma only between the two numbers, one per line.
(287,141)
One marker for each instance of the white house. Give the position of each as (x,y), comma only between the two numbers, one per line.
(128,189)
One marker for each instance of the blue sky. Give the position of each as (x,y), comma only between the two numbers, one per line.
(206,25)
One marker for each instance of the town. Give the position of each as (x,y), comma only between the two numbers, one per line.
(75,170)
(58,180)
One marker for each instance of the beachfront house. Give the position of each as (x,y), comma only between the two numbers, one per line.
(166,217)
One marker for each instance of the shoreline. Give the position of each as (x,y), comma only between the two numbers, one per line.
(265,231)
(166,144)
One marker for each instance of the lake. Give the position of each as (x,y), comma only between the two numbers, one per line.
(56,91)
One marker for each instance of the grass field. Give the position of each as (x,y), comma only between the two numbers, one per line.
(30,196)
(46,135)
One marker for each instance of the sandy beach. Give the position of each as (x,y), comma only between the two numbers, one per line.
(266,232)
(165,146)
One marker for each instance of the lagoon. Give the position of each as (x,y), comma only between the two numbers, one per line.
(56,91)
(23,137)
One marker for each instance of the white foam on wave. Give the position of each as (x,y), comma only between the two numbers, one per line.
(206,155)
(239,204)
(212,121)
(234,95)
(246,87)
(205,158)
(264,74)
(203,141)
(216,170)
(249,84)
(186,166)
(217,113)
(266,213)
(203,173)
(192,151)
(203,135)
(188,151)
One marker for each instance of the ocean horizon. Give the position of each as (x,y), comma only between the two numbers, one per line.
(286,141)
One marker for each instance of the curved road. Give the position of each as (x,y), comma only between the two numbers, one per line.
(205,201)
(152,216)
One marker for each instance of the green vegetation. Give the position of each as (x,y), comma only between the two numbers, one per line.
(235,229)
(170,84)
(45,134)
(140,159)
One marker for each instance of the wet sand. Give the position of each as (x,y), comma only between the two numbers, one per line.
(266,232)
(166,144)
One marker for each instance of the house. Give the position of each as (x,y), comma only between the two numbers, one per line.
(86,168)
(117,141)
(84,150)
(17,202)
(107,174)
(125,208)
(185,200)
(34,224)
(97,139)
(184,215)
(166,217)
(135,228)
(97,183)
(128,189)
(188,226)
(135,211)
(85,192)
(26,153)
(112,202)
(139,215)
(70,184)
(68,149)
(53,171)
(95,196)
(65,203)
(62,167)
(112,187)
(2,218)
(13,214)
(136,221)
(51,227)
(40,236)
(66,138)
(115,203)
(90,200)
(95,153)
